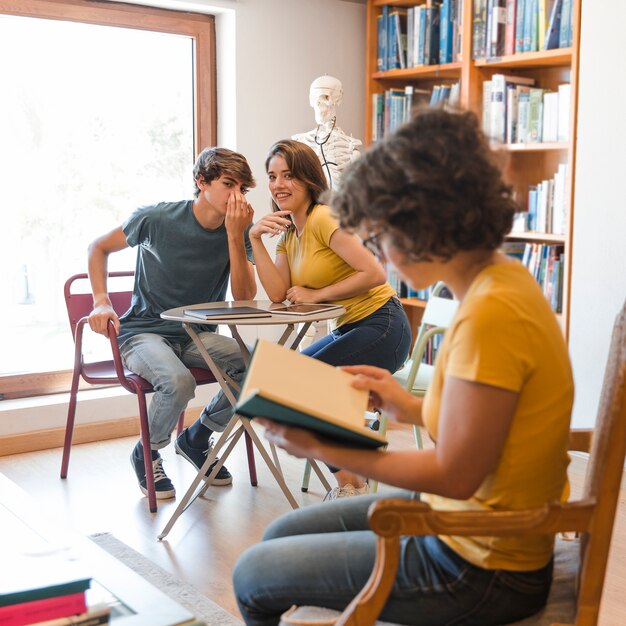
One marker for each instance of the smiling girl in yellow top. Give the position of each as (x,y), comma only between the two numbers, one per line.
(316,261)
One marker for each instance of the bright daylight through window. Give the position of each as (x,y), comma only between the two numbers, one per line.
(94,121)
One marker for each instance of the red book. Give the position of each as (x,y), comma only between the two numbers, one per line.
(509,29)
(33,611)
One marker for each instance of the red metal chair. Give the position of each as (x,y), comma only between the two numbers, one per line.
(79,305)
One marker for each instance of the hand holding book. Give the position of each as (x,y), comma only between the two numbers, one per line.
(386,393)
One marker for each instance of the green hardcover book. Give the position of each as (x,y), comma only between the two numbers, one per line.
(291,388)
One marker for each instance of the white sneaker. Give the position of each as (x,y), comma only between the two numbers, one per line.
(347,491)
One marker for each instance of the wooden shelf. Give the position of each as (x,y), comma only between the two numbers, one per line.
(449,70)
(532,147)
(413,302)
(529,60)
(398,3)
(541,237)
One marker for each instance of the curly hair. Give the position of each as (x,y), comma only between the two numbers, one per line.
(434,186)
(214,162)
(304,166)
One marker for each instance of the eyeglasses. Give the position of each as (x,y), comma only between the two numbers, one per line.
(373,244)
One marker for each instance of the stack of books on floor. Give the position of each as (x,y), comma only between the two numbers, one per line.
(46,591)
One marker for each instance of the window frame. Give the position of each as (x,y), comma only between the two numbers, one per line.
(200,28)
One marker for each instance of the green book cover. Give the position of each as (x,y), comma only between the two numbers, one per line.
(25,578)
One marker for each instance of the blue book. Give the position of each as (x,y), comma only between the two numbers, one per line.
(554,26)
(534,31)
(421,56)
(519,25)
(393,60)
(529,12)
(380,56)
(566,25)
(445,34)
(385,38)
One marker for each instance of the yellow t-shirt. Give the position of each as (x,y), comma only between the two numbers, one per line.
(505,335)
(314,265)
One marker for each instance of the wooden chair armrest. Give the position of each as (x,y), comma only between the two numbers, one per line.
(580,439)
(391,519)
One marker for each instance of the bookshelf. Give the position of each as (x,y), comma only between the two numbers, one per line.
(526,165)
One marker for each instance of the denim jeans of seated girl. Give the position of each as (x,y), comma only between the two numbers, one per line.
(323,554)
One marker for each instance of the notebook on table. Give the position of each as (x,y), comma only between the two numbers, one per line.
(227,312)
(303,309)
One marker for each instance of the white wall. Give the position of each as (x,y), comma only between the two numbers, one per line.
(599,246)
(268,53)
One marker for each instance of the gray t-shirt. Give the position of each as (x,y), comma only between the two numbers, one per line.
(178,263)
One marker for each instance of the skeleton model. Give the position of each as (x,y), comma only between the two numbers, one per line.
(334,148)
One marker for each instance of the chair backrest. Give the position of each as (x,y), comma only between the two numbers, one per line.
(604,475)
(79,299)
(439,311)
(436,318)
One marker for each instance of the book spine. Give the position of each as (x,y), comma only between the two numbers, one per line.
(423,24)
(24,613)
(385,38)
(535,112)
(445,33)
(564,98)
(497,125)
(497,28)
(554,26)
(528,25)
(509,32)
(519,25)
(565,26)
(479,26)
(380,57)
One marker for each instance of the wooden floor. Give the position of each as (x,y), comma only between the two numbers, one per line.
(101,495)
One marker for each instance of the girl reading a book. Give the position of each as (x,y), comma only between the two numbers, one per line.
(317,261)
(431,199)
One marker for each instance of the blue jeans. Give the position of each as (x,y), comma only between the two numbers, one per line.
(383,339)
(165,364)
(323,554)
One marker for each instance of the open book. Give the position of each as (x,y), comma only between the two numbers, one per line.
(291,388)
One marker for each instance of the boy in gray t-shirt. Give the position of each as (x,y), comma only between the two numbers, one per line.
(187,251)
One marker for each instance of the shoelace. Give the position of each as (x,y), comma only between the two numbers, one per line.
(157,470)
(210,446)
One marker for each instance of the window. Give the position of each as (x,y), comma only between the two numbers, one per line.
(104,108)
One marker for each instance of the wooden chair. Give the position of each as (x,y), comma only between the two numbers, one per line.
(580,565)
(79,302)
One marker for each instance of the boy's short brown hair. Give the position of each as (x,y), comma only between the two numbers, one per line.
(215,162)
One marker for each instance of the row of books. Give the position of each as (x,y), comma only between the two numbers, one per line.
(402,289)
(515,111)
(419,35)
(48,591)
(393,107)
(505,27)
(547,210)
(545,263)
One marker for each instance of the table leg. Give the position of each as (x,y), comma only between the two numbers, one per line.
(187,499)
(268,461)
